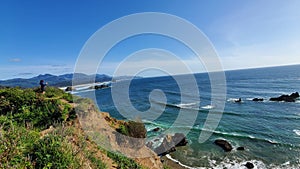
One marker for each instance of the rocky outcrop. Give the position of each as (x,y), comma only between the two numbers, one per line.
(179,139)
(103,130)
(249,165)
(258,99)
(240,148)
(170,143)
(165,147)
(225,145)
(102,86)
(286,98)
(156,129)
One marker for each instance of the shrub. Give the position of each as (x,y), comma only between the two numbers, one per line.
(133,129)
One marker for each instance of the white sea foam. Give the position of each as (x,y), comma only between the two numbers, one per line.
(233,99)
(208,107)
(186,105)
(178,162)
(81,91)
(237,164)
(297,132)
(229,164)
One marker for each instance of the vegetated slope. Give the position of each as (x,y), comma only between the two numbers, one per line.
(43,131)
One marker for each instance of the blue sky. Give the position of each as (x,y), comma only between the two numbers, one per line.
(38,37)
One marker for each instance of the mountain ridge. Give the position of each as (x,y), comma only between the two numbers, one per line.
(55,80)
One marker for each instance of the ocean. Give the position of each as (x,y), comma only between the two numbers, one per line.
(269,131)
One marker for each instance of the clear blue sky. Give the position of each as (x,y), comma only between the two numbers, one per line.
(38,37)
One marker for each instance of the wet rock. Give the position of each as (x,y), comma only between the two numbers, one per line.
(240,148)
(238,100)
(156,129)
(225,145)
(286,98)
(102,86)
(249,165)
(258,99)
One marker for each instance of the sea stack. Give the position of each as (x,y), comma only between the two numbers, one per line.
(225,145)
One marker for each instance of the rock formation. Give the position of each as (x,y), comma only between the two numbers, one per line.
(170,143)
(225,145)
(258,99)
(249,165)
(286,98)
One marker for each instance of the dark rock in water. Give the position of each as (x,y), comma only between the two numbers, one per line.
(224,144)
(286,98)
(249,165)
(258,99)
(179,139)
(238,100)
(101,86)
(295,95)
(156,129)
(69,88)
(241,148)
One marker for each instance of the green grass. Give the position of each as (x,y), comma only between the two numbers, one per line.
(41,110)
(24,113)
(122,161)
(53,152)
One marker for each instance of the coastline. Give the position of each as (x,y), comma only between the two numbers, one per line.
(172,163)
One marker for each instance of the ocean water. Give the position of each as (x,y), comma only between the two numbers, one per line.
(269,131)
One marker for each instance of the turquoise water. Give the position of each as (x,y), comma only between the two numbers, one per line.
(270,131)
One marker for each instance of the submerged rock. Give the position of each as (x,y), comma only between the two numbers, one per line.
(249,165)
(286,98)
(224,144)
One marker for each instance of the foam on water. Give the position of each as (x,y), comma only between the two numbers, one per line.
(226,163)
(186,105)
(297,132)
(208,107)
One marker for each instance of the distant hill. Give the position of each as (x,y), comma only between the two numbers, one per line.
(53,80)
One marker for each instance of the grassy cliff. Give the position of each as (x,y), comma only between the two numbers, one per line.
(42,131)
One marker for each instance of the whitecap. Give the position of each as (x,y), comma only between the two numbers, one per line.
(232,99)
(208,107)
(81,91)
(297,132)
(186,105)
